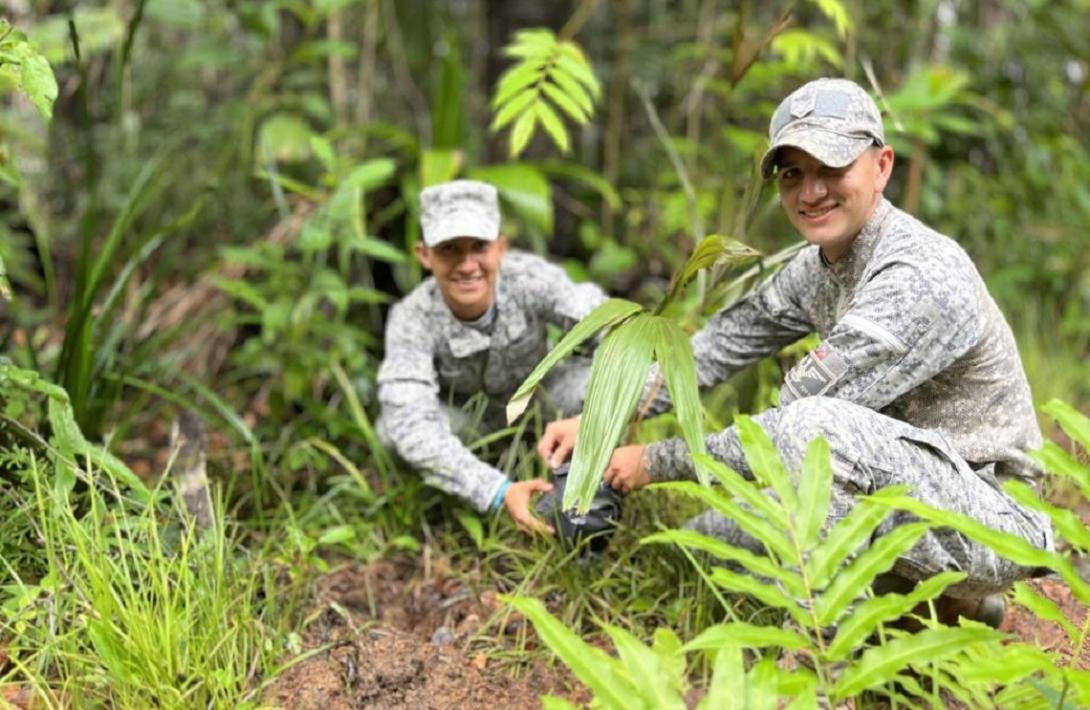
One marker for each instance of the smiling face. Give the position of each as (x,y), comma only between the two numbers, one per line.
(465,269)
(829,206)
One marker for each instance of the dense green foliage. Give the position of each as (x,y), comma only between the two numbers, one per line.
(212,203)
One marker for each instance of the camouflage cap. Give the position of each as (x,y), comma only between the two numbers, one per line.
(834,120)
(460,208)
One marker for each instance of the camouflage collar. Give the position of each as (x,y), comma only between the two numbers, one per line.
(849,267)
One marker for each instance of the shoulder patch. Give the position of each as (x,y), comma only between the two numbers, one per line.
(817,372)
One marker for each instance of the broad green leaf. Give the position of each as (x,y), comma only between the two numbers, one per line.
(323,150)
(844,538)
(755,525)
(1011,665)
(242,290)
(472,524)
(371,174)
(536,38)
(524,188)
(553,126)
(1074,423)
(552,702)
(283,137)
(746,635)
(438,166)
(522,132)
(337,534)
(865,618)
(757,499)
(882,663)
(1044,608)
(564,102)
(814,490)
(762,692)
(69,438)
(513,108)
(616,382)
(645,671)
(799,47)
(674,354)
(38,82)
(857,576)
(728,682)
(761,591)
(758,565)
(764,460)
(591,665)
(613,311)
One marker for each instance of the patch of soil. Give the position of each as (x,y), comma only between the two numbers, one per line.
(398,636)
(1050,636)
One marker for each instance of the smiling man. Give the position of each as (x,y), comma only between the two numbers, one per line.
(475,329)
(917,379)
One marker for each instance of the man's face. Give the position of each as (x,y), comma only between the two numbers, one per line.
(829,206)
(465,269)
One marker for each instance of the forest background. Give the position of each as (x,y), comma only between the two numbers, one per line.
(224,203)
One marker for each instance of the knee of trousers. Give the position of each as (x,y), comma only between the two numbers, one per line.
(803,420)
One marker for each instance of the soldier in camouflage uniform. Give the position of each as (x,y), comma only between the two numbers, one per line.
(917,379)
(478,326)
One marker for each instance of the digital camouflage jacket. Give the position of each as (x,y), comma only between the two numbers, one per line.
(908,329)
(433,358)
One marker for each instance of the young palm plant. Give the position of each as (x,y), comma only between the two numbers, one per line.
(636,338)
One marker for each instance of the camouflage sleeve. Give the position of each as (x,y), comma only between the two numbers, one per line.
(414,421)
(755,327)
(562,301)
(905,325)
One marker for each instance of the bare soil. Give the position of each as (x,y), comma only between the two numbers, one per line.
(397,635)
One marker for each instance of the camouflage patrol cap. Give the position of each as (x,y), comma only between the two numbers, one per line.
(834,120)
(460,208)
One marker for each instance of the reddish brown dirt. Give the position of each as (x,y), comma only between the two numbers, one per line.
(397,638)
(1050,636)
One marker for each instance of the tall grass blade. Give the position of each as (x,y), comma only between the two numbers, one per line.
(881,664)
(857,576)
(613,311)
(674,353)
(814,491)
(591,665)
(616,382)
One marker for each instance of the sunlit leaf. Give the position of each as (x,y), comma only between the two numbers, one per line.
(867,616)
(764,460)
(1075,424)
(815,488)
(37,80)
(513,108)
(524,188)
(1044,608)
(616,382)
(591,665)
(758,565)
(438,166)
(838,13)
(728,682)
(644,669)
(857,576)
(848,535)
(607,314)
(746,635)
(758,500)
(370,174)
(882,663)
(566,104)
(764,593)
(674,353)
(553,126)
(514,80)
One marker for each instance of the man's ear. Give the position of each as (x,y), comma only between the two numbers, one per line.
(501,244)
(885,166)
(423,255)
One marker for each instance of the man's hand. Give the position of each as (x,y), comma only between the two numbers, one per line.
(558,441)
(517,501)
(626,472)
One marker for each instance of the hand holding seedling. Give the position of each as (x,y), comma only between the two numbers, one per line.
(517,501)
(558,441)
(626,472)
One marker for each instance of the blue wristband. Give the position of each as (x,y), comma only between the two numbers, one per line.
(497,502)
